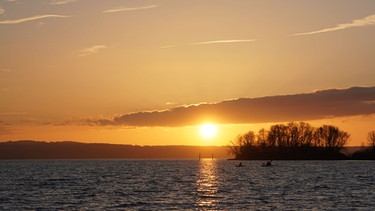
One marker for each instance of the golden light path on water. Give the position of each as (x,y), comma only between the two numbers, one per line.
(207,184)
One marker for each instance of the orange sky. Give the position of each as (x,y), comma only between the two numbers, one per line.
(63,62)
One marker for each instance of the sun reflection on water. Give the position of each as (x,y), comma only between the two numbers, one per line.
(207,184)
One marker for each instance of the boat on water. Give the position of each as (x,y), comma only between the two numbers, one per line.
(268,164)
(239,165)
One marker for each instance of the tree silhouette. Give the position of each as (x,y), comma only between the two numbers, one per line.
(244,144)
(278,136)
(305,134)
(331,137)
(291,141)
(371,139)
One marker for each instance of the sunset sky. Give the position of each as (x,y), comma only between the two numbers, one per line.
(99,70)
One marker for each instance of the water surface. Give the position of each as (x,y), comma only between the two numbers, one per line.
(186,184)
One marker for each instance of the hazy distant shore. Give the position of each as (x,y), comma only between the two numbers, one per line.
(76,150)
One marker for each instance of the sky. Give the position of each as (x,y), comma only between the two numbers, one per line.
(70,69)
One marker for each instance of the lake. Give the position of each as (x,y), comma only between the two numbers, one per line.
(186,185)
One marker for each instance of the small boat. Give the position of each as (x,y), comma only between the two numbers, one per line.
(239,165)
(268,164)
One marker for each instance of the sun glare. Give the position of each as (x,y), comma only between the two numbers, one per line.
(208,130)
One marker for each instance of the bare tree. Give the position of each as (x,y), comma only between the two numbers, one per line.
(306,132)
(278,136)
(234,148)
(293,135)
(249,139)
(262,138)
(331,137)
(243,143)
(371,139)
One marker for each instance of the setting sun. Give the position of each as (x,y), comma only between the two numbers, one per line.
(208,130)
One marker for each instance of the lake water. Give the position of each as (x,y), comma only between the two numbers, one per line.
(186,185)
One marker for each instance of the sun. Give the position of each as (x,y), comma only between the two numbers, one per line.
(208,130)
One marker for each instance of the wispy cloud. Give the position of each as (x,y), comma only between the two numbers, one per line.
(91,50)
(299,107)
(220,41)
(59,2)
(6,70)
(127,9)
(32,18)
(212,42)
(12,113)
(367,21)
(5,129)
(168,46)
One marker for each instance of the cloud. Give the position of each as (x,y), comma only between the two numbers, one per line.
(6,129)
(212,42)
(367,21)
(127,9)
(6,70)
(12,113)
(91,50)
(220,41)
(299,107)
(31,19)
(60,2)
(168,46)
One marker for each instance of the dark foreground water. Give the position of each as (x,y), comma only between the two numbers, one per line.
(186,184)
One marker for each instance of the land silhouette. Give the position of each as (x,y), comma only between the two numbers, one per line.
(297,141)
(28,149)
(290,141)
(366,153)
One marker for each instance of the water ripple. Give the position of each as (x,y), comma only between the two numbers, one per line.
(186,185)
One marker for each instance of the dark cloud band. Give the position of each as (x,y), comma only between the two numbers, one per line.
(299,107)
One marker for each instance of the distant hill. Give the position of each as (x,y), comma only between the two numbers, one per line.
(77,150)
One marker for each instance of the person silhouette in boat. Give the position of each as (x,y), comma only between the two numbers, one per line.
(239,165)
(267,164)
